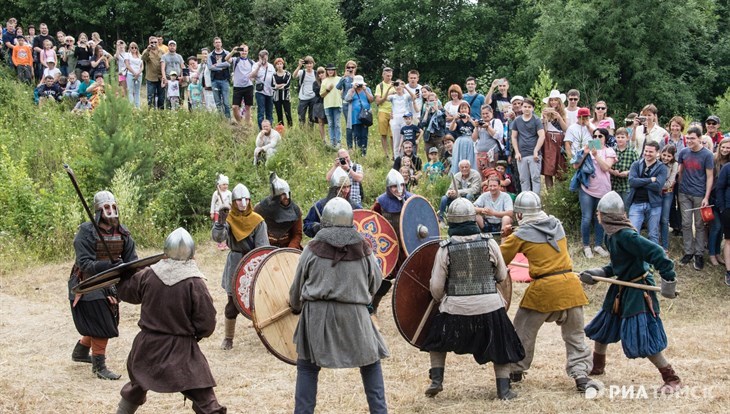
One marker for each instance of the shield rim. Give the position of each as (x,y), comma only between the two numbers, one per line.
(404,245)
(235,277)
(112,276)
(395,289)
(383,221)
(261,336)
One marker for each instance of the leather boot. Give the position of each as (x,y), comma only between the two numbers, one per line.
(81,353)
(672,382)
(599,364)
(583,383)
(126,407)
(230,328)
(99,368)
(436,375)
(504,391)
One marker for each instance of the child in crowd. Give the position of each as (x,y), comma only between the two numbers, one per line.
(51,70)
(173,91)
(407,162)
(221,197)
(447,151)
(47,55)
(434,168)
(82,106)
(505,179)
(669,158)
(23,60)
(49,90)
(410,132)
(407,177)
(72,87)
(625,156)
(195,92)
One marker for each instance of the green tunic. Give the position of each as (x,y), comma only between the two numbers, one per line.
(631,255)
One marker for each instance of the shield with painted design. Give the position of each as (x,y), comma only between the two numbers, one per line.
(270,312)
(413,305)
(381,236)
(243,277)
(418,224)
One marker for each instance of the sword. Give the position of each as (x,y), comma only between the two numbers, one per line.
(608,280)
(88,211)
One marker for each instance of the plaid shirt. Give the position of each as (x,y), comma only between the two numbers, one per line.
(356,189)
(625,159)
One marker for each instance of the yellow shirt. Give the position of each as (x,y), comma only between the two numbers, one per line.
(381,91)
(549,293)
(333,98)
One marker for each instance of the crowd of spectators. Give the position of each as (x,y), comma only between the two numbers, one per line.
(494,144)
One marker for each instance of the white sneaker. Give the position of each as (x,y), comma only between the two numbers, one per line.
(588,252)
(601,251)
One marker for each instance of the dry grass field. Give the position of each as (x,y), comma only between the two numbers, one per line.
(38,376)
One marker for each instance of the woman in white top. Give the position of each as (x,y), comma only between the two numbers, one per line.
(204,71)
(451,109)
(402,101)
(601,118)
(120,55)
(134,65)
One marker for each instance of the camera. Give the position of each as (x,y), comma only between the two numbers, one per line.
(481,123)
(396,83)
(642,120)
(629,122)
(358,85)
(462,116)
(343,161)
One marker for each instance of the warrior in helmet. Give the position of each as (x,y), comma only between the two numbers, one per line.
(221,197)
(472,318)
(335,280)
(555,293)
(628,314)
(340,186)
(177,312)
(243,230)
(389,205)
(282,215)
(96,314)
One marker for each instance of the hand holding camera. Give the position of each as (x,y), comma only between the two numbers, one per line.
(462,116)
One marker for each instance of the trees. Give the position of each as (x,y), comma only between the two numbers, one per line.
(315,27)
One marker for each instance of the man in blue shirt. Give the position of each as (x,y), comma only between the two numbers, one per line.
(474,98)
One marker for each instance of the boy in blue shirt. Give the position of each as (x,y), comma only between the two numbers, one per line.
(434,168)
(410,132)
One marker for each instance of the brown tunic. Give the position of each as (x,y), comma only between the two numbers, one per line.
(165,356)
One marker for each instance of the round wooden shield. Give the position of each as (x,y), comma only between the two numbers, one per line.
(112,276)
(413,305)
(418,224)
(381,236)
(272,317)
(243,277)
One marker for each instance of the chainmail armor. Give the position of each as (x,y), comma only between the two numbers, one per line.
(470,271)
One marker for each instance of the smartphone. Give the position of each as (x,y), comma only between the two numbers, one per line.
(594,144)
(500,82)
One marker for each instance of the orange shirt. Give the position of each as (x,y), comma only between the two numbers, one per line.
(22,55)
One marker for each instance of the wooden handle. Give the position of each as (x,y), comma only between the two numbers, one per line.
(423,321)
(275,317)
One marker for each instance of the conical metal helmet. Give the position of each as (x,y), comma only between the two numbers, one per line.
(527,203)
(279,186)
(103,199)
(340,178)
(461,210)
(179,245)
(394,178)
(611,203)
(337,213)
(240,191)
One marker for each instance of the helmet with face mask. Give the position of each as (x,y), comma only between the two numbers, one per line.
(106,205)
(179,245)
(279,186)
(394,178)
(240,192)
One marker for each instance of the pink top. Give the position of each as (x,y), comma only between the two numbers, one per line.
(601,183)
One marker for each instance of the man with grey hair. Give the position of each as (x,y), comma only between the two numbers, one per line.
(469,183)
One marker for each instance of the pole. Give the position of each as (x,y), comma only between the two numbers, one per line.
(88,211)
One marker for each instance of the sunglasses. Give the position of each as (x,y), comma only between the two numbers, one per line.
(711,123)
(572,99)
(350,67)
(600,108)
